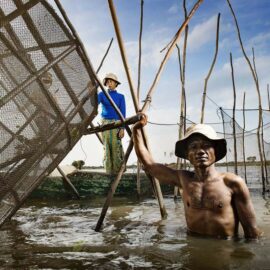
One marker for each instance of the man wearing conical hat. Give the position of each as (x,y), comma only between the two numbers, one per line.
(113,149)
(214,202)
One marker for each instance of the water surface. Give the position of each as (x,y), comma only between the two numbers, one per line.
(60,235)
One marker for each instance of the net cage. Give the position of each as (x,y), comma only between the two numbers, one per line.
(45,100)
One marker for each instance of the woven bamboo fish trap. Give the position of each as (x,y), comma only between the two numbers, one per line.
(44,100)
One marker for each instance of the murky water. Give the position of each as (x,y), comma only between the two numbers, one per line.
(60,235)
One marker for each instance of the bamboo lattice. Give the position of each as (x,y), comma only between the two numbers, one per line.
(44,100)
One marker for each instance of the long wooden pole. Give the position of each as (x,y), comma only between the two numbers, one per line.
(244,128)
(123,53)
(113,188)
(128,121)
(183,105)
(146,103)
(138,92)
(135,101)
(181,128)
(224,132)
(268,95)
(257,88)
(264,156)
(210,70)
(263,165)
(74,190)
(168,54)
(105,55)
(233,118)
(262,153)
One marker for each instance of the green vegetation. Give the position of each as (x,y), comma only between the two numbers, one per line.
(90,184)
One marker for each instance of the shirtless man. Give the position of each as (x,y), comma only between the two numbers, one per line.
(214,202)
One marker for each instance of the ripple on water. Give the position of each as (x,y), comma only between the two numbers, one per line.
(62,236)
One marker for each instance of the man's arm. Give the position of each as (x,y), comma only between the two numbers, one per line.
(163,173)
(244,208)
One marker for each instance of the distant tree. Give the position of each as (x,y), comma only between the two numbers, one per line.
(251,158)
(78,164)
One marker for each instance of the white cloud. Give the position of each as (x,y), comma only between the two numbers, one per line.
(202,33)
(173,9)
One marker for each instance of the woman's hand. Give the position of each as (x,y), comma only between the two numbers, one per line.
(121,133)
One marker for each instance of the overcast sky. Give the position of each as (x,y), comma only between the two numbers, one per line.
(162,19)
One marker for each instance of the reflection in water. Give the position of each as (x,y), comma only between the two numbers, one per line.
(60,235)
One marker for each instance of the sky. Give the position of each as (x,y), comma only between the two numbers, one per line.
(162,19)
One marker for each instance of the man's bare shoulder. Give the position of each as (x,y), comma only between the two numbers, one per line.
(233,181)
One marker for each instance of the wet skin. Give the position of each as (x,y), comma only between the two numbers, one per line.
(214,202)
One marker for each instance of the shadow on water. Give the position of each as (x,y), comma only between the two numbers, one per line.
(60,235)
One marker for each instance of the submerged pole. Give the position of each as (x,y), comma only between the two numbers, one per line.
(67,180)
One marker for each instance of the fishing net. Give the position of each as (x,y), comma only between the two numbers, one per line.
(245,142)
(45,102)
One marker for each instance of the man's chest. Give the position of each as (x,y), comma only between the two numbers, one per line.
(213,196)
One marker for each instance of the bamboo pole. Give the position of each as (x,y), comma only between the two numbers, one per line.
(146,103)
(105,55)
(210,70)
(140,52)
(182,118)
(264,156)
(123,53)
(263,166)
(257,88)
(154,181)
(233,118)
(168,54)
(268,95)
(262,153)
(113,188)
(74,190)
(138,92)
(184,107)
(244,128)
(116,181)
(128,121)
(224,134)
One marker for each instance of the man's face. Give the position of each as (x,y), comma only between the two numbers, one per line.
(200,151)
(111,84)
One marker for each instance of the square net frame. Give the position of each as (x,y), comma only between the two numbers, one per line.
(45,103)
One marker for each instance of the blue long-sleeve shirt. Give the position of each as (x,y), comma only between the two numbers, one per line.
(108,112)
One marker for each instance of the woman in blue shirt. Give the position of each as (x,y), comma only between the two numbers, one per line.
(113,149)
